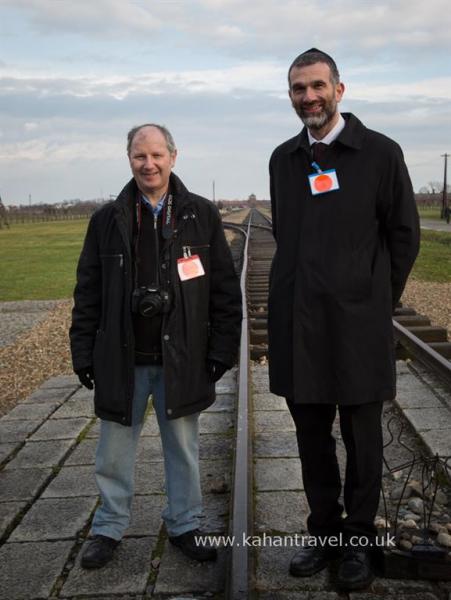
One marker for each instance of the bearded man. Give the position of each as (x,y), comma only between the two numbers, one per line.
(347,233)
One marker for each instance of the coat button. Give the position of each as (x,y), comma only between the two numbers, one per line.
(163,266)
(166,337)
(169,411)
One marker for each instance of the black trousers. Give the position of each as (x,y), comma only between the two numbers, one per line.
(361,430)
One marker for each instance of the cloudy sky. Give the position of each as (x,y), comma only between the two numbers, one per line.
(76,75)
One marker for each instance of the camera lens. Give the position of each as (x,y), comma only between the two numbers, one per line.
(150,305)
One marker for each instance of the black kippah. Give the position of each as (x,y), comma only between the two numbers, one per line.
(316,51)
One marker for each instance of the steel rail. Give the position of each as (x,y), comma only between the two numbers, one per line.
(240,520)
(422,352)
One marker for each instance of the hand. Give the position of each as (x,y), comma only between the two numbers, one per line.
(216,369)
(86,377)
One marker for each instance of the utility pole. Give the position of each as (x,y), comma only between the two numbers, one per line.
(445,191)
(214,196)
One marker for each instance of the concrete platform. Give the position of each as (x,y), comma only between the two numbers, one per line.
(48,496)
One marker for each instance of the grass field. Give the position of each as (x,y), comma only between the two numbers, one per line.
(434,260)
(430,212)
(38,260)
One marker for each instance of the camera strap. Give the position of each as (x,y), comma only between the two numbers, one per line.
(168,229)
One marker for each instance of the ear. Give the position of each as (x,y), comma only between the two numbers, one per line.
(339,91)
(173,158)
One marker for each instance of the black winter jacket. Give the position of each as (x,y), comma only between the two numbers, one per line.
(204,321)
(341,264)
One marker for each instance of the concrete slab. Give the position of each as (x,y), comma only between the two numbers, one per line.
(61,381)
(84,453)
(225,387)
(31,569)
(146,515)
(178,574)
(402,368)
(127,573)
(272,573)
(58,395)
(214,446)
(285,512)
(40,454)
(15,487)
(8,512)
(81,407)
(93,431)
(273,474)
(149,478)
(7,449)
(416,397)
(27,412)
(215,423)
(149,449)
(83,394)
(267,401)
(423,419)
(275,420)
(60,429)
(215,475)
(280,444)
(17,431)
(215,514)
(223,403)
(54,519)
(72,482)
(151,426)
(438,441)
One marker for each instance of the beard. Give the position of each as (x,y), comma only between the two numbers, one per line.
(319,120)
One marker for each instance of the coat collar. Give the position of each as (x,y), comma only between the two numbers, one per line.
(126,199)
(352,135)
(125,204)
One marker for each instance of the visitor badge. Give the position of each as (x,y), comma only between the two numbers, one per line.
(190,267)
(324,181)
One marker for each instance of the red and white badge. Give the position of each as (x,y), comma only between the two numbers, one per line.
(190,267)
(325,181)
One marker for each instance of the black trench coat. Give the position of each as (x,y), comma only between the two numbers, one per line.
(204,321)
(342,260)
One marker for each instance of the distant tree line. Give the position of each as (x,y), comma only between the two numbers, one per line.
(63,211)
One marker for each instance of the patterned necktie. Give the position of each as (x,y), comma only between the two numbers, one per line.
(319,151)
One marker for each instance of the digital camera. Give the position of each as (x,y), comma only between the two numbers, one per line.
(150,301)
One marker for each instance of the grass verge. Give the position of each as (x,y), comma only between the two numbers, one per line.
(38,260)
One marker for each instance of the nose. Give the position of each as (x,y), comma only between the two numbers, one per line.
(149,162)
(309,95)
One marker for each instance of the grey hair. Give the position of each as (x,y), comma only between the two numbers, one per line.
(311,57)
(164,130)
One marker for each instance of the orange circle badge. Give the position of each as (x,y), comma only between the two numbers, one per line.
(190,268)
(323,183)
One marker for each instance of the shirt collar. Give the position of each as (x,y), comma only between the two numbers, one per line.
(155,209)
(332,135)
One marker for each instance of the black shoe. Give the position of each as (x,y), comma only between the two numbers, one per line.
(354,570)
(98,552)
(310,560)
(187,544)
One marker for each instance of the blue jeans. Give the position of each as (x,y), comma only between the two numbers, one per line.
(115,463)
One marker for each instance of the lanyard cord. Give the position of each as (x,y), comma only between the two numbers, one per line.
(168,221)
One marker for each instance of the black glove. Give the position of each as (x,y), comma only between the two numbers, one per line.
(86,377)
(216,369)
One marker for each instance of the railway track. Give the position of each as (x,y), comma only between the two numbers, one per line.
(416,337)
